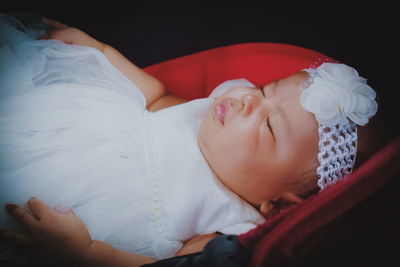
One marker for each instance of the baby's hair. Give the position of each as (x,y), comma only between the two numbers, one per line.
(372,137)
(305,185)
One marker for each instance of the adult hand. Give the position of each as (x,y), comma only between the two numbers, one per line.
(50,238)
(70,35)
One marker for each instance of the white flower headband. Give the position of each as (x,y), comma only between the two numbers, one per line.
(339,98)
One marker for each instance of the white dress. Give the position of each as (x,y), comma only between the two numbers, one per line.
(75,132)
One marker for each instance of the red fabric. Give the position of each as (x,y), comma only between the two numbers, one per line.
(280,240)
(196,75)
(277,240)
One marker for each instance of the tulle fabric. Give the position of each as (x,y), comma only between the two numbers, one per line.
(75,133)
(69,129)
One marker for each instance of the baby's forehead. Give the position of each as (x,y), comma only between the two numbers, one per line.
(298,78)
(290,87)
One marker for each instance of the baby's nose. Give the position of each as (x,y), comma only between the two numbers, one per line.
(249,102)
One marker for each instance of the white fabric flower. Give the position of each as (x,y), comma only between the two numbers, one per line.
(337,93)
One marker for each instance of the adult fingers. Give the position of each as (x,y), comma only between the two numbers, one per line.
(14,239)
(39,208)
(22,216)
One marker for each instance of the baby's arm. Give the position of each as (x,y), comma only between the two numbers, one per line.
(196,244)
(153,90)
(56,239)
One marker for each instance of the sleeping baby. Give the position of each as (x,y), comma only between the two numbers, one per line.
(99,144)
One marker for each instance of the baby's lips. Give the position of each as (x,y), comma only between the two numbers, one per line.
(220,111)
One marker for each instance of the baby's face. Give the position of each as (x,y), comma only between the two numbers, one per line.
(256,141)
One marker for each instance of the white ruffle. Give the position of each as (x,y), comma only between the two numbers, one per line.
(74,132)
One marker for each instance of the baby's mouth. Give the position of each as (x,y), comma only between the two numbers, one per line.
(220,111)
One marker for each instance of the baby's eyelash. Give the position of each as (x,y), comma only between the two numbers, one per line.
(261,89)
(269,126)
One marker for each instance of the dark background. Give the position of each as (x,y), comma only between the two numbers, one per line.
(149,32)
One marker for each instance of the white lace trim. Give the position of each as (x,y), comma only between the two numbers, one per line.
(337,153)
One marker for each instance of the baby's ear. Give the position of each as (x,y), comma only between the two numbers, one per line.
(269,208)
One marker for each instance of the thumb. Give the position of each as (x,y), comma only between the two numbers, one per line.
(62,209)
(39,208)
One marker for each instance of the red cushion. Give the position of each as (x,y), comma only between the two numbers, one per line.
(196,75)
(286,237)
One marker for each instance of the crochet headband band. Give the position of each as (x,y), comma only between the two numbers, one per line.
(340,100)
